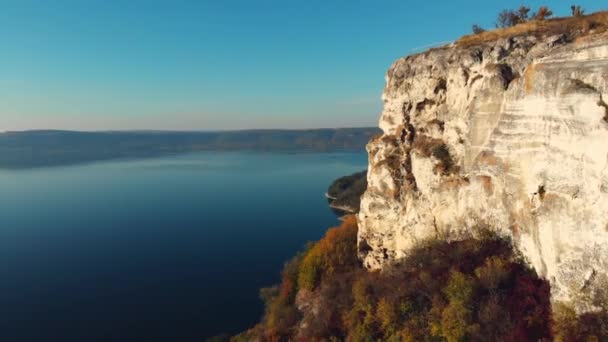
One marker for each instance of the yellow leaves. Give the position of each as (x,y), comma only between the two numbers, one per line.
(386,315)
(455,320)
(336,251)
(459,288)
(310,270)
(454,291)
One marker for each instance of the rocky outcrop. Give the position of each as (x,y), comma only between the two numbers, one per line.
(510,134)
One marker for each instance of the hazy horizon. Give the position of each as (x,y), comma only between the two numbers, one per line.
(202,65)
(178,125)
(152,130)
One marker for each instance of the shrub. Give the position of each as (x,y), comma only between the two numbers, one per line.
(337,251)
(477,29)
(455,321)
(456,317)
(570,327)
(493,273)
(543,13)
(386,313)
(529,305)
(360,319)
(442,153)
(289,279)
(577,11)
(454,291)
(459,287)
(523,12)
(509,18)
(494,321)
(310,271)
(506,18)
(573,27)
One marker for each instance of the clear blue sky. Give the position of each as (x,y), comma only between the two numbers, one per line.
(225,64)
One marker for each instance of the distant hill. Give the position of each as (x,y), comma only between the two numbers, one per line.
(45,148)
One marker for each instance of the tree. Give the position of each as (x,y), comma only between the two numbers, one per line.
(523,13)
(506,18)
(360,320)
(311,270)
(470,290)
(335,252)
(287,289)
(477,29)
(455,320)
(456,317)
(386,314)
(543,13)
(493,272)
(459,287)
(509,18)
(577,11)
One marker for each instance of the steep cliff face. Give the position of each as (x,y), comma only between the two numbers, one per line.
(510,134)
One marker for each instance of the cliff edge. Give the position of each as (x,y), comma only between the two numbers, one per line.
(506,130)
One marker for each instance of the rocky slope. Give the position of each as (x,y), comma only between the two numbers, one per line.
(509,133)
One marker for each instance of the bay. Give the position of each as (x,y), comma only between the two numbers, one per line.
(165,249)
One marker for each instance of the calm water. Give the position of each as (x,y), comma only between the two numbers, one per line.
(170,249)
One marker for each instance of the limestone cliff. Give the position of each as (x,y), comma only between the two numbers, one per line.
(509,133)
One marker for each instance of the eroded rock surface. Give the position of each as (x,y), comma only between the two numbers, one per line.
(512,135)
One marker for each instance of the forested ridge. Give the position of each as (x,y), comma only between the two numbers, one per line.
(44,148)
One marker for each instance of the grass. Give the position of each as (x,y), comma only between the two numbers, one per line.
(580,26)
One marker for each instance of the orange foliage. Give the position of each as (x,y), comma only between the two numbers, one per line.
(460,290)
(335,252)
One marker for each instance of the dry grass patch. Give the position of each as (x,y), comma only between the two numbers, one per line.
(579,26)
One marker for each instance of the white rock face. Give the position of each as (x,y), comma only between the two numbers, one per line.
(511,135)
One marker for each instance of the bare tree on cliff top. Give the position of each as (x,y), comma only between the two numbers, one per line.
(543,13)
(577,11)
(509,18)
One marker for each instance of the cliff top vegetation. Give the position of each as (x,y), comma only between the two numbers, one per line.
(512,23)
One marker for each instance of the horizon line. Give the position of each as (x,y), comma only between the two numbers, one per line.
(152,130)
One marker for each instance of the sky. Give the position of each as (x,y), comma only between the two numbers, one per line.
(216,65)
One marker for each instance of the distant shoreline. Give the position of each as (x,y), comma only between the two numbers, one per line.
(161,131)
(330,197)
(32,149)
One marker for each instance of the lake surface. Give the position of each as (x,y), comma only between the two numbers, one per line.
(167,249)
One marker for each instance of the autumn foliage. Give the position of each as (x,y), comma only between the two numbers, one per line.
(336,252)
(471,290)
